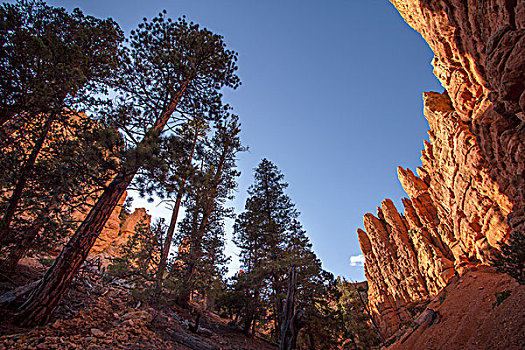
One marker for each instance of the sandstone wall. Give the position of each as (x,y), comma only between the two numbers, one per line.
(470,192)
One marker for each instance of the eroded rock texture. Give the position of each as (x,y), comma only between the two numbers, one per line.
(470,192)
(116,232)
(111,240)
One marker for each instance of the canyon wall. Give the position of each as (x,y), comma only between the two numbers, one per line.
(469,194)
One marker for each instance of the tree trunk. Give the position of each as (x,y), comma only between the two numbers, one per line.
(292,320)
(47,295)
(195,249)
(49,292)
(169,238)
(278,305)
(21,249)
(174,216)
(24,175)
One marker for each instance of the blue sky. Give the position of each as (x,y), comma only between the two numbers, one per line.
(331,94)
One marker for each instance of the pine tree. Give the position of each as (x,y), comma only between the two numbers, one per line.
(273,243)
(170,69)
(203,227)
(357,325)
(139,259)
(511,260)
(316,293)
(73,165)
(51,59)
(259,233)
(172,173)
(52,63)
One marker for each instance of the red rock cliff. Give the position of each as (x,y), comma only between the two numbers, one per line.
(470,192)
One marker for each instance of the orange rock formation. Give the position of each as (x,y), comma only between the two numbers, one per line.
(470,192)
(113,237)
(115,232)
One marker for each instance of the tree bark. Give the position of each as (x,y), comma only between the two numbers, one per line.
(174,216)
(195,249)
(21,249)
(25,173)
(292,319)
(169,238)
(278,305)
(49,292)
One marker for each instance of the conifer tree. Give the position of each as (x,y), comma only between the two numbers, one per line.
(203,227)
(170,69)
(511,260)
(357,324)
(170,177)
(139,258)
(52,59)
(52,63)
(260,234)
(273,242)
(73,165)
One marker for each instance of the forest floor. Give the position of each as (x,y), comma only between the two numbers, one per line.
(482,309)
(96,314)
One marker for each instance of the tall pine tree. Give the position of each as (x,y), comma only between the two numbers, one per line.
(52,62)
(202,229)
(273,243)
(259,232)
(170,69)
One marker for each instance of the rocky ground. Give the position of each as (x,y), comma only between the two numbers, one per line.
(104,315)
(480,310)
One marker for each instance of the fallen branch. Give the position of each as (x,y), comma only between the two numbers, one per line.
(189,341)
(17,293)
(7,279)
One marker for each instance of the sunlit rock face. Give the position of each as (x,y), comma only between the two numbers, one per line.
(111,230)
(111,239)
(470,192)
(116,232)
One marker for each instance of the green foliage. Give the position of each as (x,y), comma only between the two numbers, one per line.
(51,59)
(168,76)
(500,297)
(272,240)
(358,327)
(511,260)
(71,166)
(52,63)
(139,258)
(200,261)
(166,59)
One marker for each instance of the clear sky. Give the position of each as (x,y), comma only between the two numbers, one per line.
(331,94)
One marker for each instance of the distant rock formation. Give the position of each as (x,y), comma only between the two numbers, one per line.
(115,233)
(470,192)
(111,240)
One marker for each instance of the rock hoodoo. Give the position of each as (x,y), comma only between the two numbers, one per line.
(469,193)
(116,232)
(110,240)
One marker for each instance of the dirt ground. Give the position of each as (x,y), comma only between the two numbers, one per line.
(483,309)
